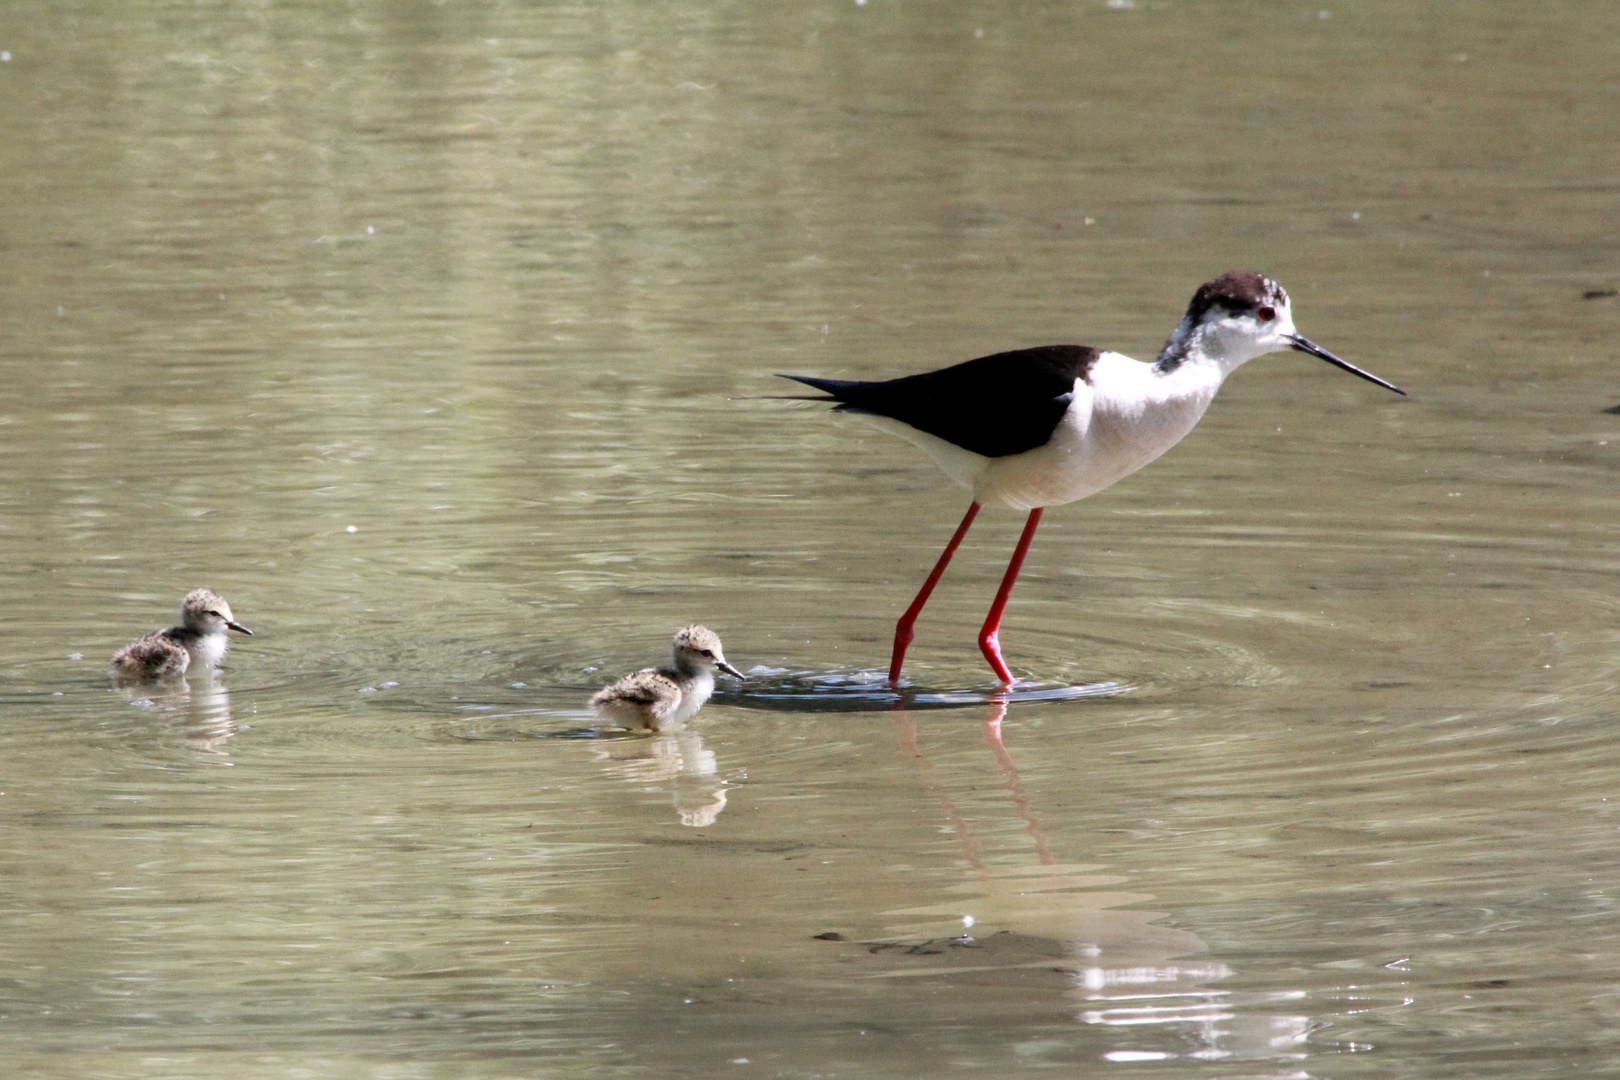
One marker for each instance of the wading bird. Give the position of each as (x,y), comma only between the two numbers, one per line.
(1041,427)
(655,699)
(198,643)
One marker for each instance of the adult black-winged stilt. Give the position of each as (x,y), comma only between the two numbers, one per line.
(1041,427)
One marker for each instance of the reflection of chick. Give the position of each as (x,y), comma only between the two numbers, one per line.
(679,759)
(208,719)
(205,711)
(657,698)
(198,642)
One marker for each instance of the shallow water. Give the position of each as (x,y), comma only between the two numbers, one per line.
(440,340)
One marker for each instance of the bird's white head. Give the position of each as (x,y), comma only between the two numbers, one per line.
(697,648)
(206,612)
(1232,320)
(1237,317)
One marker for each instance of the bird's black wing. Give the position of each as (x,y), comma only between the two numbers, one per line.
(995,405)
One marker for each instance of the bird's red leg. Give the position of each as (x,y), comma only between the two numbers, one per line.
(904,630)
(989,634)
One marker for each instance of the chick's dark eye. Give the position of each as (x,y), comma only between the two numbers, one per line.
(708,652)
(1267,313)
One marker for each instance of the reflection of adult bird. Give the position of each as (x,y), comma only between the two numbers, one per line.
(658,698)
(1041,427)
(198,642)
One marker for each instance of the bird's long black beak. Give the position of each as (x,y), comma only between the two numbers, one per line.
(238,626)
(1305,345)
(729,670)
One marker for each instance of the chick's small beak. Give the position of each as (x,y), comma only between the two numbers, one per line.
(238,626)
(729,670)
(1305,345)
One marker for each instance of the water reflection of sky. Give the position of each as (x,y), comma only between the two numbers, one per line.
(1125,968)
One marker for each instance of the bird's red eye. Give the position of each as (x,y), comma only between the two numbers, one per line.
(1267,313)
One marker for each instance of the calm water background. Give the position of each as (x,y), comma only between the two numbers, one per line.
(435,336)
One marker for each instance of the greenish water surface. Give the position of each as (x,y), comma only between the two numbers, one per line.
(439,338)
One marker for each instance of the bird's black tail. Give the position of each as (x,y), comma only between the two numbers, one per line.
(844,390)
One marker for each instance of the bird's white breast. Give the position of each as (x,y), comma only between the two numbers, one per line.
(206,652)
(695,690)
(1123,416)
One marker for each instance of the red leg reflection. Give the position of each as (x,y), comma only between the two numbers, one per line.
(932,781)
(992,736)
